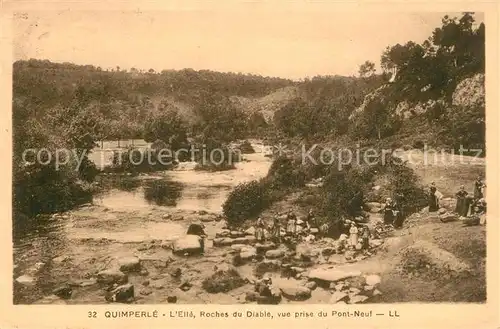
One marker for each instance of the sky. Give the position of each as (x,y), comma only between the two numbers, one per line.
(289,44)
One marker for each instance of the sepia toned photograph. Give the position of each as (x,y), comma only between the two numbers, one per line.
(239,158)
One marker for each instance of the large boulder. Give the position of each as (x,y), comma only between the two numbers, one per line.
(338,296)
(248,253)
(225,233)
(249,239)
(267,266)
(357,299)
(273,254)
(224,278)
(222,242)
(190,244)
(332,275)
(293,291)
(263,247)
(121,294)
(111,276)
(26,280)
(250,231)
(129,264)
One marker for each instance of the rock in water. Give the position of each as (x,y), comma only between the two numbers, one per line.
(357,299)
(338,296)
(111,276)
(250,231)
(332,275)
(311,285)
(64,291)
(172,299)
(223,234)
(190,244)
(25,280)
(372,280)
(129,264)
(263,247)
(248,253)
(272,254)
(121,294)
(375,242)
(293,291)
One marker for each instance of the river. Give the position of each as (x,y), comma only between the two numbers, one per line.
(129,212)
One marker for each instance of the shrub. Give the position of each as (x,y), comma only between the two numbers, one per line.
(215,156)
(246,148)
(245,201)
(39,189)
(284,173)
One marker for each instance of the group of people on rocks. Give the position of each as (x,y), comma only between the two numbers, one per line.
(293,227)
(467,206)
(355,233)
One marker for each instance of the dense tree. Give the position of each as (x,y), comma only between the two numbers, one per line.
(367,69)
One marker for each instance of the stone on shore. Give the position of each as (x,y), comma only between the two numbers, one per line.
(332,275)
(111,276)
(129,264)
(293,291)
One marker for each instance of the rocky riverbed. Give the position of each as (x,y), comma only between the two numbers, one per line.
(144,257)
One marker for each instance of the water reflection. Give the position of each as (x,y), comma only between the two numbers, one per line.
(162,192)
(119,182)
